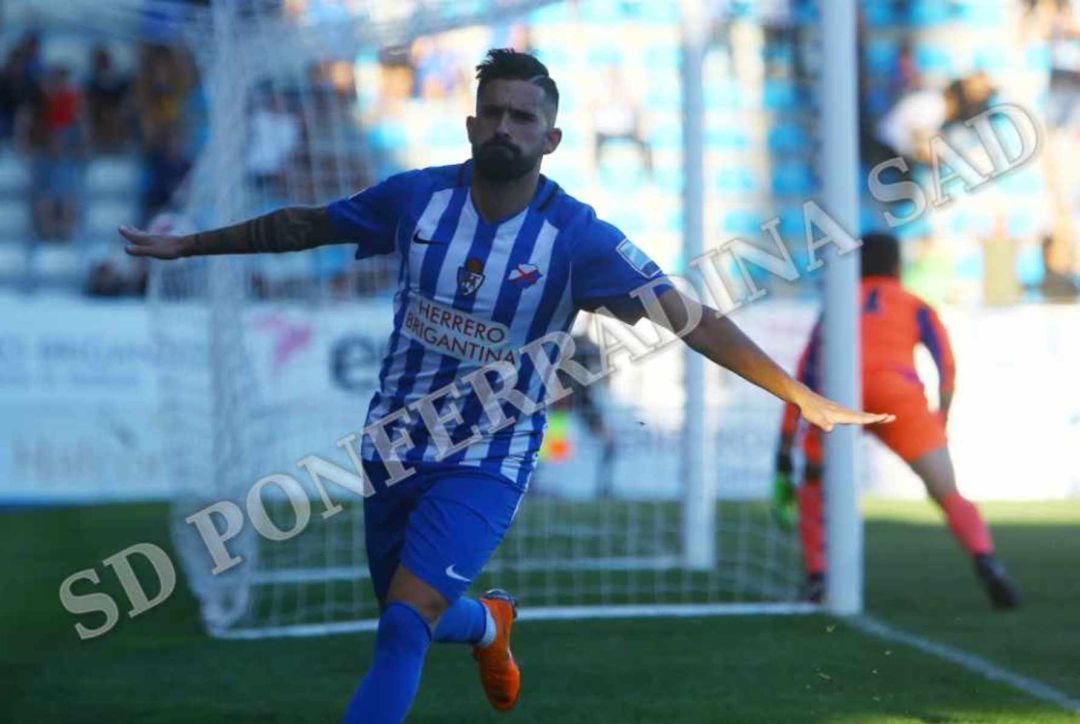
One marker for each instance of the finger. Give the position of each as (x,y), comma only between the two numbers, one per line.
(870,418)
(134,235)
(852,417)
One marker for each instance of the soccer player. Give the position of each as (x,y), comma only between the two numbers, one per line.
(893,323)
(494,256)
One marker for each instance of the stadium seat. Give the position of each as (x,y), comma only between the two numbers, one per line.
(788,138)
(733,181)
(14,173)
(934,58)
(779,94)
(109,175)
(58,261)
(724,95)
(927,13)
(792,179)
(727,138)
(104,215)
(979,13)
(15,220)
(879,13)
(880,54)
(1030,269)
(12,262)
(741,222)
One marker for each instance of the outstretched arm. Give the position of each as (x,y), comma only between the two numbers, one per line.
(293,228)
(807,374)
(717,338)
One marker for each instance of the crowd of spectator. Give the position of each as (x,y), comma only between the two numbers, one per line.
(902,108)
(58,117)
(312,141)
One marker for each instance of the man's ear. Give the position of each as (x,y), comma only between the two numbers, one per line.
(469,122)
(552,139)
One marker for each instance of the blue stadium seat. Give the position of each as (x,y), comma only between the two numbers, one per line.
(387,136)
(792,179)
(791,230)
(788,137)
(881,54)
(723,95)
(1023,223)
(14,172)
(727,138)
(660,58)
(933,58)
(665,130)
(926,13)
(668,178)
(879,13)
(1037,57)
(732,181)
(979,13)
(991,59)
(969,265)
(741,222)
(1030,269)
(660,96)
(780,94)
(1022,182)
(550,14)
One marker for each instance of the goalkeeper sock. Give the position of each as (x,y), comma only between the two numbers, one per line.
(467,621)
(967,525)
(811,527)
(387,690)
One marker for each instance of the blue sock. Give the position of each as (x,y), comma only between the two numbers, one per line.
(464,622)
(387,690)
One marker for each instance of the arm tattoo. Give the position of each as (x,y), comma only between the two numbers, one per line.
(293,228)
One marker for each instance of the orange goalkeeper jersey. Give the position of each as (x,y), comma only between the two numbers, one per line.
(893,322)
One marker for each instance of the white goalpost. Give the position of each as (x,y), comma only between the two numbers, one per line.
(651,497)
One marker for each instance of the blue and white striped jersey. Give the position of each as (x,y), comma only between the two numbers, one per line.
(472,292)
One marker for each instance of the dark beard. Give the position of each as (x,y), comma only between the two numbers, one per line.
(501,162)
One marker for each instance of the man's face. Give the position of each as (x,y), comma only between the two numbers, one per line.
(511,130)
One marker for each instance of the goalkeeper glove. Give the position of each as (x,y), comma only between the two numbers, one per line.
(783,506)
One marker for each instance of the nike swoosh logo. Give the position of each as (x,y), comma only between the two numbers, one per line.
(418,240)
(451,573)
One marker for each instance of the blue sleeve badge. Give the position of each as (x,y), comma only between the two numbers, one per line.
(638,259)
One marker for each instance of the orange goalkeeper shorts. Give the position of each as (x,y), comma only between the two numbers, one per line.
(916,430)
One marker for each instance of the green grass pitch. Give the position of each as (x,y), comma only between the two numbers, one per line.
(161,668)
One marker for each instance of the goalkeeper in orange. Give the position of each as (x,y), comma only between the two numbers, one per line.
(893,322)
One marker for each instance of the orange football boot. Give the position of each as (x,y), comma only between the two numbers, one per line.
(499,673)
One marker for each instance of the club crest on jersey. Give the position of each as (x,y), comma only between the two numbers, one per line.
(524,275)
(470,276)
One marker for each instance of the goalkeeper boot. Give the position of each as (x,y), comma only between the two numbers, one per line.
(1002,592)
(813,588)
(499,672)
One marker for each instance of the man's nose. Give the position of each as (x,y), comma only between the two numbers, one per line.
(502,128)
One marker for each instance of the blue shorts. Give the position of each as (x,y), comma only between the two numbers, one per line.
(443,523)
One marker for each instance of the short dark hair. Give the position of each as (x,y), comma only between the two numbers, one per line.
(508,64)
(880,255)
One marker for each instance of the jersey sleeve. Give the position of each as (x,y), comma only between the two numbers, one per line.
(607,268)
(932,334)
(370,217)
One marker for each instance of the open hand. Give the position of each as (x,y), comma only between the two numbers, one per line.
(158,246)
(824,413)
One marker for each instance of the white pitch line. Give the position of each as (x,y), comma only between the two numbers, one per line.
(1031,687)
